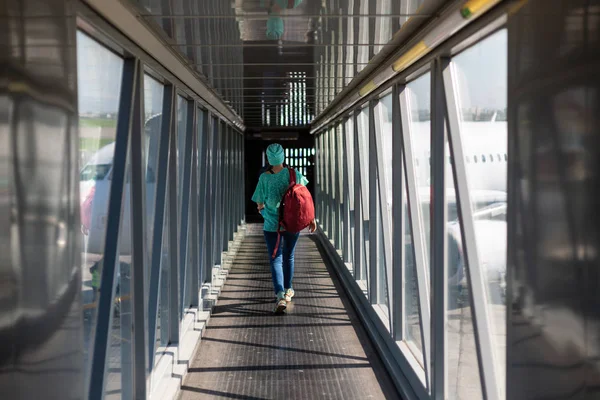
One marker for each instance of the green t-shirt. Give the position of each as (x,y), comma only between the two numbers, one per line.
(270,191)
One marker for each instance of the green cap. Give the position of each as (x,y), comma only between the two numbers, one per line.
(275,154)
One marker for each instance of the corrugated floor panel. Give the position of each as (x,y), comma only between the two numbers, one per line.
(317,350)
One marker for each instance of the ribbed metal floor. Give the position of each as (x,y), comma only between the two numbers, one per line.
(318,350)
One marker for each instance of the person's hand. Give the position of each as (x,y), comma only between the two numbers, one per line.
(313,226)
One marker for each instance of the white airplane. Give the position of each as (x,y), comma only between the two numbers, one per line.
(94,187)
(486,161)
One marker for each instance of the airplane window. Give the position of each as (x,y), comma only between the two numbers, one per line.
(483,158)
(94,172)
(468,159)
(499,158)
(475,158)
(505,157)
(491,158)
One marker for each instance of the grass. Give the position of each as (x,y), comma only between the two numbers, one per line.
(97,122)
(93,144)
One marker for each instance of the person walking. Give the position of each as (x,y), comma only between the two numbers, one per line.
(269,192)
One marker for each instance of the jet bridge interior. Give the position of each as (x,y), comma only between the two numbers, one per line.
(451,149)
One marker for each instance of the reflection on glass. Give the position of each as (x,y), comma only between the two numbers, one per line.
(383,113)
(350,157)
(420,122)
(363,148)
(412,316)
(481,74)
(99,82)
(333,187)
(153,98)
(463,375)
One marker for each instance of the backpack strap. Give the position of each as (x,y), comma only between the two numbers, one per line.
(292,177)
(270,170)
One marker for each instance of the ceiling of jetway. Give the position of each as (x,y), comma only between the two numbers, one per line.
(278,63)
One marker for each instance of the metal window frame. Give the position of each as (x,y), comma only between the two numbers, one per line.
(112,233)
(374,209)
(209,208)
(173,230)
(139,239)
(358,215)
(475,275)
(346,207)
(159,217)
(186,194)
(439,237)
(340,186)
(398,221)
(387,222)
(419,247)
(363,168)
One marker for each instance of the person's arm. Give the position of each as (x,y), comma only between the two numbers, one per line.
(259,195)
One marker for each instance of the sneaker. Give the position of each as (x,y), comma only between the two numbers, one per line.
(289,293)
(281,304)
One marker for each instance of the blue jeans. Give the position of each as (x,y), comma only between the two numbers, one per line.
(282,266)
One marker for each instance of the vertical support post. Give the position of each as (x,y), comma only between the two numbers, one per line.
(138,239)
(173,255)
(374,213)
(340,185)
(159,217)
(215,193)
(186,191)
(193,272)
(203,193)
(419,247)
(210,196)
(358,215)
(475,274)
(398,194)
(385,213)
(225,184)
(439,241)
(345,193)
(113,223)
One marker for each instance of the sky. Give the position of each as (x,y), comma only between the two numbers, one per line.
(99,79)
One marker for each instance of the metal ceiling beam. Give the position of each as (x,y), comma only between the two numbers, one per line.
(265,16)
(275,44)
(288,64)
(267,78)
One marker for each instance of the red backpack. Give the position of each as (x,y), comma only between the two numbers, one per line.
(296,210)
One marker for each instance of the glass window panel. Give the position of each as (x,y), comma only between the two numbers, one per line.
(481,75)
(181,127)
(412,315)
(420,123)
(462,364)
(350,157)
(363,144)
(99,87)
(153,99)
